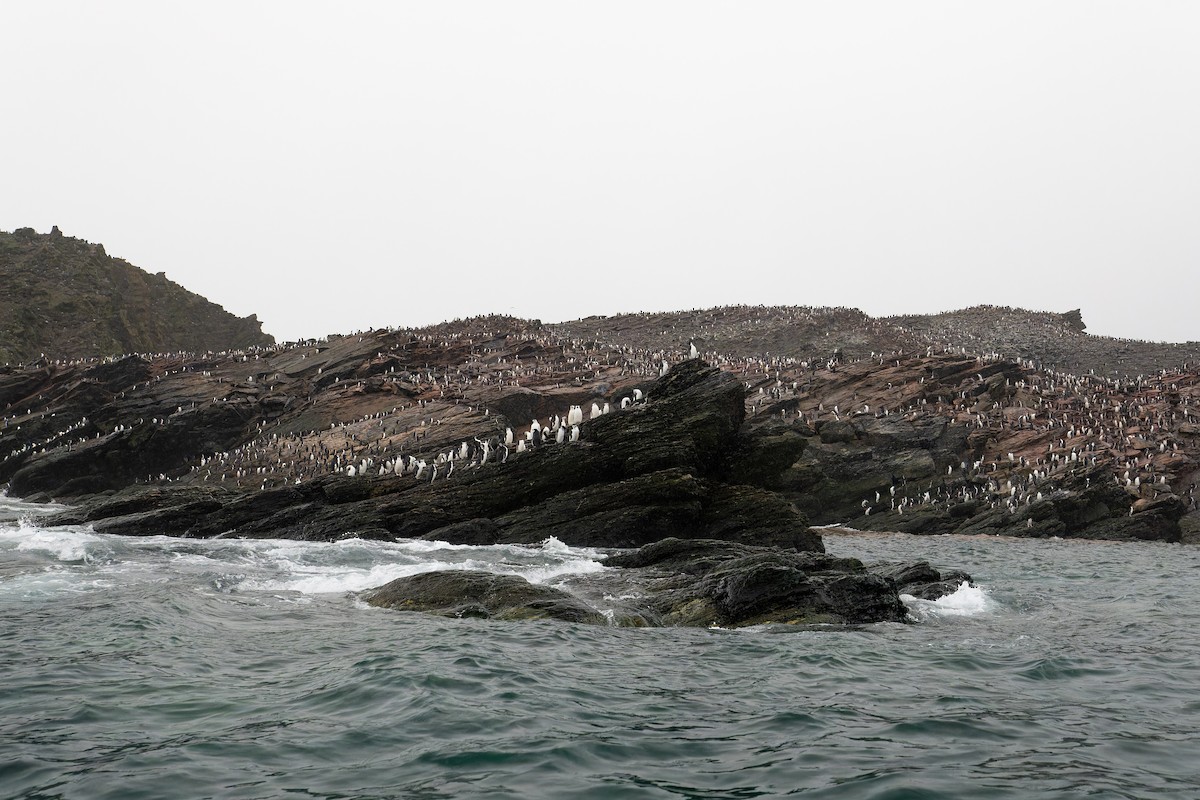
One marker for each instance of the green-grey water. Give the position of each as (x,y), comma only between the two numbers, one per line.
(163,667)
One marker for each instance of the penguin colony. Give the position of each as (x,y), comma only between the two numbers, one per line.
(424,404)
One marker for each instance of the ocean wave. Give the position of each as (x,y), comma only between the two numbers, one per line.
(66,544)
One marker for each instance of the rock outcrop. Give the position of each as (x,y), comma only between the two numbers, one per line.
(687,583)
(659,468)
(321,438)
(67,298)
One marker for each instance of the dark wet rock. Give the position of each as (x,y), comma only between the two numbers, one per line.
(462,593)
(143,451)
(117,375)
(672,582)
(850,459)
(920,579)
(478,531)
(707,582)
(765,454)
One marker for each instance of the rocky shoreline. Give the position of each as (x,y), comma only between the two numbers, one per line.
(496,430)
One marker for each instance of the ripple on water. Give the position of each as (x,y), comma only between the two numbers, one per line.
(164,665)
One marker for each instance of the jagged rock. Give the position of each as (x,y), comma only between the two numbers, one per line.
(147,449)
(868,454)
(651,471)
(691,583)
(707,582)
(920,579)
(924,432)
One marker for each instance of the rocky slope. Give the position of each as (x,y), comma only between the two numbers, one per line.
(66,298)
(1047,340)
(1042,340)
(278,440)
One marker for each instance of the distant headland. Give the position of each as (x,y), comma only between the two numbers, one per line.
(67,298)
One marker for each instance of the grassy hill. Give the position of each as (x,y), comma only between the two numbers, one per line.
(67,298)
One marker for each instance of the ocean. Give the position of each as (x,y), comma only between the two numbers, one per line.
(173,668)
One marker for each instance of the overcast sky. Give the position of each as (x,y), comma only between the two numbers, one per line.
(340,166)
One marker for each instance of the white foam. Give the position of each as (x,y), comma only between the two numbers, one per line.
(65,544)
(12,508)
(50,582)
(323,580)
(965,601)
(353,565)
(428,545)
(576,566)
(306,568)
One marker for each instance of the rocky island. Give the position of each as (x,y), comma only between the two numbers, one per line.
(702,444)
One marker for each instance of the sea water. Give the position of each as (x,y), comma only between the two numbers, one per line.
(164,667)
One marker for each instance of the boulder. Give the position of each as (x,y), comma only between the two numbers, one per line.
(464,593)
(709,582)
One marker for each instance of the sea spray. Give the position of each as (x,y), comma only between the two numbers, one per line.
(965,601)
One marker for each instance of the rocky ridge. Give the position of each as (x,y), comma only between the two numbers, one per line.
(67,298)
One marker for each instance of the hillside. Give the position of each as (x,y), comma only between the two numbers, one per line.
(796,332)
(67,298)
(1054,341)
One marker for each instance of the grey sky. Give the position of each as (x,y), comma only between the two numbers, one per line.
(340,166)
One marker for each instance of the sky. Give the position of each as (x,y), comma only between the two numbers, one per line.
(334,167)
